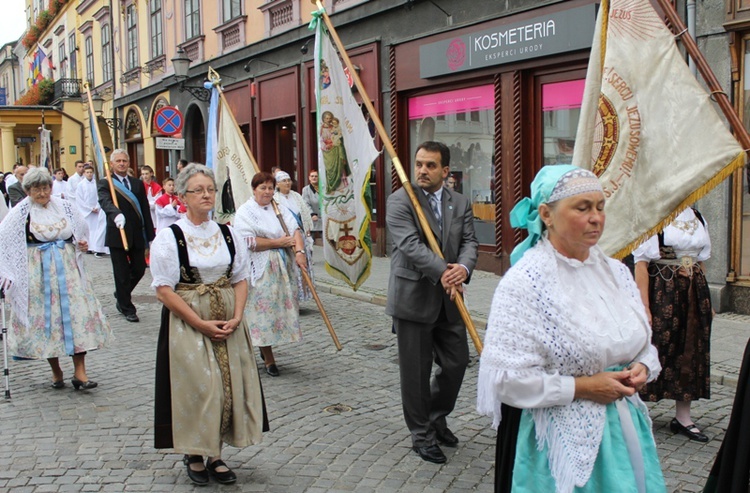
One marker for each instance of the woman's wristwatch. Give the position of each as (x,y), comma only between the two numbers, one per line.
(300,251)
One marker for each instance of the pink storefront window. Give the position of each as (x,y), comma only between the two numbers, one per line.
(561,109)
(459,101)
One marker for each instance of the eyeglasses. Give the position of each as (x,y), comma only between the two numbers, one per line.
(202,191)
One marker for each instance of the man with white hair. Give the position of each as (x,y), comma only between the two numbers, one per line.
(133,216)
(16,193)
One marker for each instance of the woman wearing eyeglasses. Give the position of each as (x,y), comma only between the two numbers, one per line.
(273,306)
(207,387)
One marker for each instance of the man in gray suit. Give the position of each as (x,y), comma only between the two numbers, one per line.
(16,193)
(420,293)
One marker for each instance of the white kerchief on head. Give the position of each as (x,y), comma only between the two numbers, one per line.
(575,182)
(281,176)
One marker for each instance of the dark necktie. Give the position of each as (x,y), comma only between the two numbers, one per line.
(126,182)
(432,199)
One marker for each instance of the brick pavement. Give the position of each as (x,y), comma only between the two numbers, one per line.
(62,440)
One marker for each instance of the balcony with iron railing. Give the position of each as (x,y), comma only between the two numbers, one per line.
(67,88)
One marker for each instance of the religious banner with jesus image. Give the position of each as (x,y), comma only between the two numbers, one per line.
(648,129)
(345,154)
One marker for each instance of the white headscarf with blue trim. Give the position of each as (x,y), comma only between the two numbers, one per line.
(552,183)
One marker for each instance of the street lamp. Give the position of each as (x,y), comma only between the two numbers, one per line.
(98,101)
(181,64)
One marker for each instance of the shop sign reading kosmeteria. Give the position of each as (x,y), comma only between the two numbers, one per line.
(557,32)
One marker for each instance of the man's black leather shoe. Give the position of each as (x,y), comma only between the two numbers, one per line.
(446,437)
(431,453)
(132,317)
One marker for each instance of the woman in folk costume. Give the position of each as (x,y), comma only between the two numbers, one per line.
(669,272)
(566,351)
(272,305)
(55,312)
(87,202)
(291,200)
(207,387)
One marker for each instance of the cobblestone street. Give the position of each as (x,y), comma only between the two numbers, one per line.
(101,440)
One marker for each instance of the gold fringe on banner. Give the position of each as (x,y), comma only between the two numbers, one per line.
(697,194)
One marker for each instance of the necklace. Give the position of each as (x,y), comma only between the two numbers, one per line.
(48,232)
(689,227)
(204,247)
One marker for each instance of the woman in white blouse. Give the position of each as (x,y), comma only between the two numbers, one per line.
(55,312)
(292,201)
(207,386)
(669,272)
(566,351)
(273,306)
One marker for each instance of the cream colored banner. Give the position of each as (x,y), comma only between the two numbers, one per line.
(231,161)
(647,128)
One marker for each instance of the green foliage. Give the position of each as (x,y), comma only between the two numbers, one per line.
(46,91)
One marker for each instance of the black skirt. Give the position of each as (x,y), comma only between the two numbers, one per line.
(505,451)
(681,322)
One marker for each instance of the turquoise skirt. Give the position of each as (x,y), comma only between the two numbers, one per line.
(613,471)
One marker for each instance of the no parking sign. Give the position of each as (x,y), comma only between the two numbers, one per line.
(168,120)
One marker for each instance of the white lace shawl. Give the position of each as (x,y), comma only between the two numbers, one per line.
(295,199)
(534,327)
(14,269)
(252,221)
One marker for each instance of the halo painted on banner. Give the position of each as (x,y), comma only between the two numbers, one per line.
(633,19)
(606,135)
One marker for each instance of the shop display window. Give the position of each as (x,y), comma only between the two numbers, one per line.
(464,120)
(561,109)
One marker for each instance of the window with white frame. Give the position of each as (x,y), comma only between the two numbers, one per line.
(72,62)
(192,19)
(131,19)
(62,56)
(106,52)
(157,43)
(90,60)
(231,9)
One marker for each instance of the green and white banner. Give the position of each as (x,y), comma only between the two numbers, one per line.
(345,155)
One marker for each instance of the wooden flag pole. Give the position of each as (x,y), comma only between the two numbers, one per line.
(431,241)
(105,164)
(214,77)
(308,281)
(717,93)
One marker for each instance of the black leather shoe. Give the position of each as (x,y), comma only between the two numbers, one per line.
(691,431)
(272,370)
(80,384)
(431,453)
(199,478)
(446,437)
(132,317)
(226,477)
(59,384)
